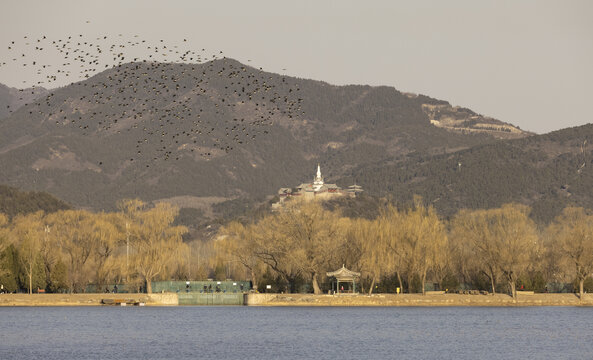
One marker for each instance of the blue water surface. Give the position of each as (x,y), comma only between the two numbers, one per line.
(189,332)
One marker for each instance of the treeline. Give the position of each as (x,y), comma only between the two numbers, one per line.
(14,201)
(67,250)
(498,249)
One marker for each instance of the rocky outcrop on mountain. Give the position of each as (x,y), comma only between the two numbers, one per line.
(458,119)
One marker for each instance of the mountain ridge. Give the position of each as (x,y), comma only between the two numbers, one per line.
(216,132)
(547,172)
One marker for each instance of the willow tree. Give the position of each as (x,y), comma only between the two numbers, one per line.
(154,239)
(4,232)
(423,236)
(50,252)
(238,243)
(504,240)
(390,231)
(128,211)
(4,239)
(105,235)
(572,238)
(472,245)
(302,239)
(72,231)
(316,237)
(27,232)
(375,258)
(272,247)
(517,240)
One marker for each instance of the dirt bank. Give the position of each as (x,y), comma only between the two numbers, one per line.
(418,300)
(309,300)
(84,299)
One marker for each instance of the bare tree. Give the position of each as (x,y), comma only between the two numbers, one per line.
(72,230)
(27,232)
(504,240)
(104,235)
(424,236)
(473,247)
(5,238)
(516,239)
(317,237)
(238,242)
(154,239)
(272,247)
(572,238)
(375,256)
(4,232)
(390,226)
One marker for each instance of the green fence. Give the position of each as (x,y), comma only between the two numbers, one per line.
(210,298)
(202,287)
(110,288)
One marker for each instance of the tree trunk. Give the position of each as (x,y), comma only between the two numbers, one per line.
(31,281)
(399,279)
(492,277)
(316,289)
(372,285)
(513,290)
(291,284)
(148,286)
(423,283)
(581,284)
(253,280)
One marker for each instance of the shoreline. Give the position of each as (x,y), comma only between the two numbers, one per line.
(307,300)
(8,300)
(434,300)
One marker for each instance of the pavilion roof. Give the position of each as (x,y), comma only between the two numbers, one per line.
(343,274)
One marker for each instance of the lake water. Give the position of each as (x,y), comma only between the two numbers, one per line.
(295,333)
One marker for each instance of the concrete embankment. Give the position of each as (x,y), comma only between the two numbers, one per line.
(527,299)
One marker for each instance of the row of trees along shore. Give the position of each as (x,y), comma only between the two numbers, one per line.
(495,249)
(492,249)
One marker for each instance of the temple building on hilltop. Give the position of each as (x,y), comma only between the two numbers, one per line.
(318,189)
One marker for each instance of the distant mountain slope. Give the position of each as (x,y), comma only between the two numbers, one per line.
(202,135)
(547,172)
(11,99)
(14,202)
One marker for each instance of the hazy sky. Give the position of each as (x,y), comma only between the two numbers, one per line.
(529,63)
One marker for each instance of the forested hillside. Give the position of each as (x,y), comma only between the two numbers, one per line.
(209,136)
(547,172)
(14,202)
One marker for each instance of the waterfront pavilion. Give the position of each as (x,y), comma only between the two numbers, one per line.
(342,276)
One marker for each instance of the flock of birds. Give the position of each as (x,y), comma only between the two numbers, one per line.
(167,100)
